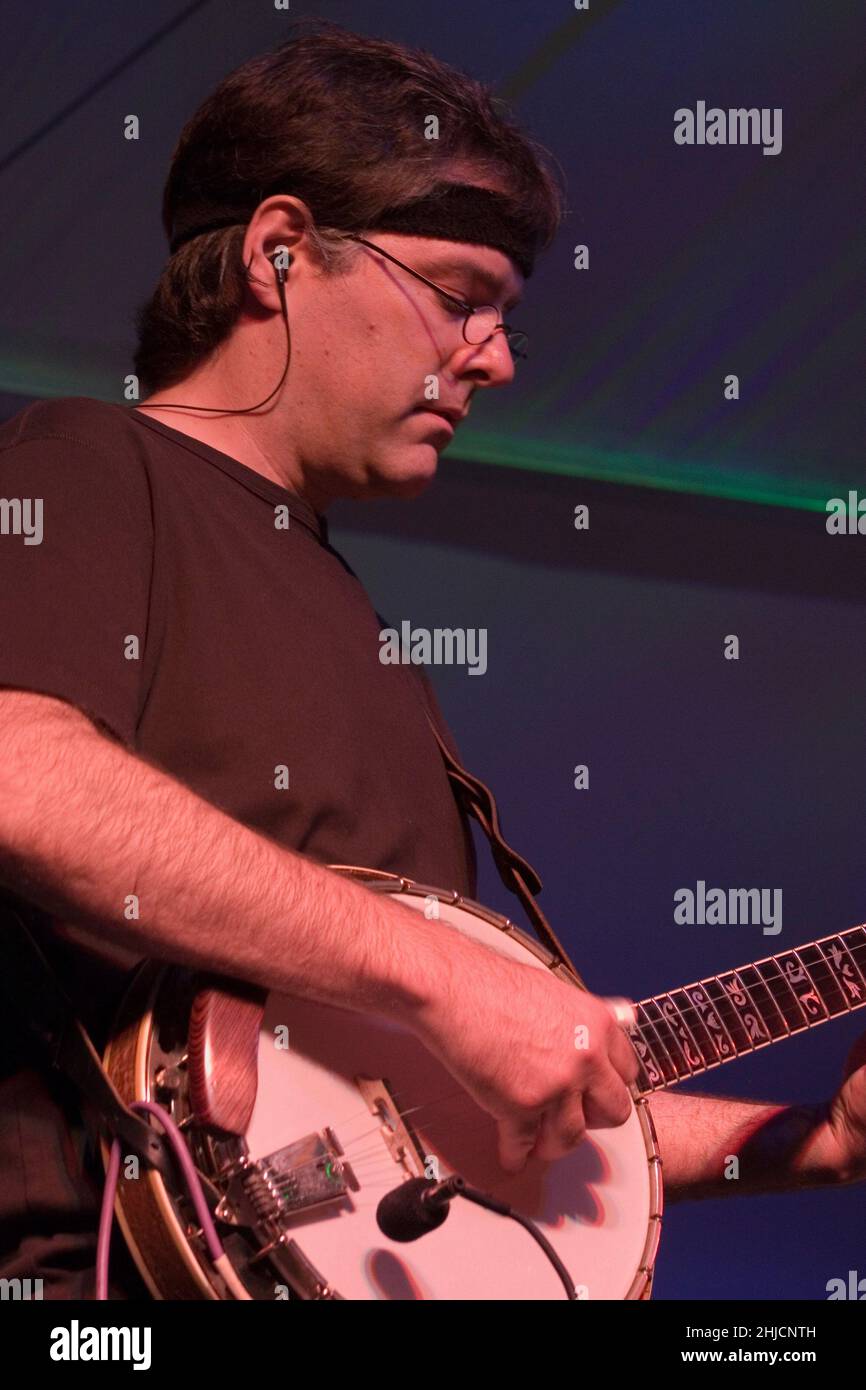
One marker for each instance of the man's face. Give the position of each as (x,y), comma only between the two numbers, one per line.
(369,349)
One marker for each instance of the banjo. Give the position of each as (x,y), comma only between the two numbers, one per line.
(304,1120)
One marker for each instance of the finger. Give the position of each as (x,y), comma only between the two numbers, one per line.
(607,1103)
(562,1128)
(624,1014)
(623,1057)
(623,1010)
(516,1138)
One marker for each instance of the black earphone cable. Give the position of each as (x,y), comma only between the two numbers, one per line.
(280,273)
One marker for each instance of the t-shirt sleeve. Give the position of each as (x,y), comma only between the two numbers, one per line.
(76,549)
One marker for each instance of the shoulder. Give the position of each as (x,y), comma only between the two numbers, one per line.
(98,425)
(75,435)
(79,453)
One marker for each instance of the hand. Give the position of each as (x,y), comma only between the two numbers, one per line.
(840,1141)
(508,1033)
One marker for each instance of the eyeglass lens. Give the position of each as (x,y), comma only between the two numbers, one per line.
(481,324)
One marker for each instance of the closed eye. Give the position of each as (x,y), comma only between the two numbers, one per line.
(457,294)
(480,304)
(450,308)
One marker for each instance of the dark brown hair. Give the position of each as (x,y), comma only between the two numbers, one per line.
(339,118)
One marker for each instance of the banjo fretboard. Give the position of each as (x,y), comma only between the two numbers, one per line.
(716,1020)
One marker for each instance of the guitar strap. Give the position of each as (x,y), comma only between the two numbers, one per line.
(516,873)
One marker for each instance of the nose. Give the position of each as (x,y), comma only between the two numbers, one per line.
(490,363)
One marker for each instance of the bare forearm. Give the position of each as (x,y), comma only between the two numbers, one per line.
(715,1146)
(87,830)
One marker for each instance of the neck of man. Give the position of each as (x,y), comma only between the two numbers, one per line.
(257,439)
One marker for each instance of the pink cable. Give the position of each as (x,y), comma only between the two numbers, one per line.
(106,1216)
(191,1179)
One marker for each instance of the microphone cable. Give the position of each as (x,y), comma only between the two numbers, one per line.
(421,1205)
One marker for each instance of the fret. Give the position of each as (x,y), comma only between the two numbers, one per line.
(689,1047)
(673,1053)
(649,1076)
(737,987)
(666,1059)
(642,1081)
(701,1025)
(647,1045)
(830,998)
(769,1012)
(697,1027)
(855,945)
(802,986)
(707,1006)
(841,972)
(742,1018)
(783,993)
(845,971)
(727,1015)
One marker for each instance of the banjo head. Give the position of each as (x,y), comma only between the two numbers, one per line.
(350,1106)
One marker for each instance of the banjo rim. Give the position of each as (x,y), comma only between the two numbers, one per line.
(127,1059)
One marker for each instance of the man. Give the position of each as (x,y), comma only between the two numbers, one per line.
(193,716)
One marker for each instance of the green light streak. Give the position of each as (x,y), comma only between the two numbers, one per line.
(646,470)
(46,379)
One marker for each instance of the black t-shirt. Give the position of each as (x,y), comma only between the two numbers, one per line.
(197,613)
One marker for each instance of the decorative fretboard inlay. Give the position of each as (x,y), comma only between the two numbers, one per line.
(725,1016)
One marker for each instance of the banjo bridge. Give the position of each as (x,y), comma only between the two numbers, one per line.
(394,1129)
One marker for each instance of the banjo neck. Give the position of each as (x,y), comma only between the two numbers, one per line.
(687,1031)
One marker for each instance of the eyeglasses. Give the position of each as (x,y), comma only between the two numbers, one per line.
(481,321)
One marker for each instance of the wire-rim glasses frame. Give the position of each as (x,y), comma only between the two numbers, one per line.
(516,338)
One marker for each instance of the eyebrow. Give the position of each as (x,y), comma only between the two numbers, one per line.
(457,265)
